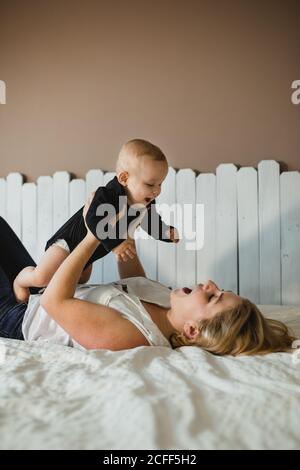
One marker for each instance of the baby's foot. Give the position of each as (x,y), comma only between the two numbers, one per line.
(21,293)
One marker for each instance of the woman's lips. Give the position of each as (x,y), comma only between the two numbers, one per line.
(187,290)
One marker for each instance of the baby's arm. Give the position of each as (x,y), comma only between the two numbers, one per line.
(153,224)
(125,250)
(132,267)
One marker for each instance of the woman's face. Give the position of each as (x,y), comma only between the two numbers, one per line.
(201,302)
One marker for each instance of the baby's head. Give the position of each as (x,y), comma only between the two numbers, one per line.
(141,168)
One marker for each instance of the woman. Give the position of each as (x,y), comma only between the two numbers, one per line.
(132,312)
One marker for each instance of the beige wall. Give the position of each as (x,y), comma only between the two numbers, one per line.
(207,81)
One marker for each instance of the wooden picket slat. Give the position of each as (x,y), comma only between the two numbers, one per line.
(77,195)
(147,251)
(269,231)
(290,237)
(14,202)
(2,198)
(94,179)
(226,227)
(29,218)
(185,221)
(206,196)
(44,213)
(166,252)
(248,234)
(61,181)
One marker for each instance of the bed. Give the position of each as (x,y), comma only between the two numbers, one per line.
(55,397)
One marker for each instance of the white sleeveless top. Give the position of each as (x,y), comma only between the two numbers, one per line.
(123,295)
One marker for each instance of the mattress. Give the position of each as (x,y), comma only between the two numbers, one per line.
(55,397)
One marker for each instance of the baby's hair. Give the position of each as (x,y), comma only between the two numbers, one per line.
(138,148)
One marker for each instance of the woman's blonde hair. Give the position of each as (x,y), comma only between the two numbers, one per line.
(242,330)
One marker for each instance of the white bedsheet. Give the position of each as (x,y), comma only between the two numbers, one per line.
(55,397)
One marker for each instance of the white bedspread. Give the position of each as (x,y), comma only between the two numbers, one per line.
(55,397)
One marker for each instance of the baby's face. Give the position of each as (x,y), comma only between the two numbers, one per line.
(144,182)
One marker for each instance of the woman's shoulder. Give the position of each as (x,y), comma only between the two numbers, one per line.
(139,289)
(143,281)
(148,289)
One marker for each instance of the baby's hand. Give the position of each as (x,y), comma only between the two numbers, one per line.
(173,235)
(125,250)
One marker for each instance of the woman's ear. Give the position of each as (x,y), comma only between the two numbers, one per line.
(191,330)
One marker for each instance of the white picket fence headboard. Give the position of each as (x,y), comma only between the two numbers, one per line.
(251,227)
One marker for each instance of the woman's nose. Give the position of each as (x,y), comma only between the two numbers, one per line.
(205,286)
(210,285)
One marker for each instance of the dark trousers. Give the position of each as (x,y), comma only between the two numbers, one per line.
(13,258)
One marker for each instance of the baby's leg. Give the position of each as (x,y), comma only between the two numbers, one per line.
(40,275)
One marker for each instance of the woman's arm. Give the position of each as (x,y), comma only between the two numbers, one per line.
(91,325)
(86,274)
(63,284)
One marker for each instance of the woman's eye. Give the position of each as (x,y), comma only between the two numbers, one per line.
(151,185)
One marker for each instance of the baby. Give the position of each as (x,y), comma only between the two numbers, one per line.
(140,170)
